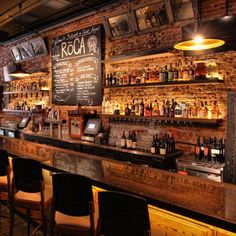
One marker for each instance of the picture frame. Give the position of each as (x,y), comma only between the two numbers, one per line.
(183,10)
(39,47)
(150,16)
(26,51)
(15,53)
(118,25)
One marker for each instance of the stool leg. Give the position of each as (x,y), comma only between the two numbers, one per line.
(28,211)
(12,218)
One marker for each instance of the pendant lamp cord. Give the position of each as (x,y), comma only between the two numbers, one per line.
(226,7)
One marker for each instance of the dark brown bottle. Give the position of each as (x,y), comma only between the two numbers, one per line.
(153,146)
(197,149)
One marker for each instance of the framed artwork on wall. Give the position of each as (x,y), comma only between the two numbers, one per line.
(26,51)
(15,54)
(39,47)
(119,25)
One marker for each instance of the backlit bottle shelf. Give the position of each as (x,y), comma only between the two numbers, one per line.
(159,120)
(169,83)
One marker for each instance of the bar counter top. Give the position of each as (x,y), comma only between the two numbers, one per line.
(201,199)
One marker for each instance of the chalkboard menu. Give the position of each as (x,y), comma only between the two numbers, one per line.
(76,67)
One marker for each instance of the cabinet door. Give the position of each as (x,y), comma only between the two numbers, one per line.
(163,223)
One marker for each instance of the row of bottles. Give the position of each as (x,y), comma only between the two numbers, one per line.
(128,141)
(162,145)
(167,73)
(210,150)
(27,86)
(26,102)
(164,108)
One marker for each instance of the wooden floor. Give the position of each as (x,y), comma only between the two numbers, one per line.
(20,228)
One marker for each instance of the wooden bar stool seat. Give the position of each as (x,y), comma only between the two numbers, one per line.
(29,192)
(5,182)
(72,208)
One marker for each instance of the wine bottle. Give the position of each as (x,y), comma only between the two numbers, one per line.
(134,140)
(153,146)
(129,141)
(163,150)
(123,140)
(197,149)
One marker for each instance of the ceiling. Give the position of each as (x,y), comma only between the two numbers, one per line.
(18,17)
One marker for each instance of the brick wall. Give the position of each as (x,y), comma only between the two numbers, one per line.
(160,39)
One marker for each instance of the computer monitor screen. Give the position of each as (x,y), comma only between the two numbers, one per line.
(92,126)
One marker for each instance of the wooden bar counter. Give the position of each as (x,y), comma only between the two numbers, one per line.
(179,205)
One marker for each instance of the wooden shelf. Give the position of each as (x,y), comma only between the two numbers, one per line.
(31,91)
(179,82)
(161,120)
(145,55)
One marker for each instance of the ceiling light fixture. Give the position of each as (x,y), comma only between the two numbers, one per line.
(19,72)
(199,42)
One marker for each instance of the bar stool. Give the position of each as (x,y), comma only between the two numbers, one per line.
(29,191)
(73,207)
(122,214)
(5,181)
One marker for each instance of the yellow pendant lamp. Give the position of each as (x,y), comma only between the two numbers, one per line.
(19,72)
(199,43)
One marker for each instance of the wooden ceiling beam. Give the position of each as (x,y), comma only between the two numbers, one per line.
(14,12)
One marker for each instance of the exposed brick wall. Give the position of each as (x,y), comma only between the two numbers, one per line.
(162,38)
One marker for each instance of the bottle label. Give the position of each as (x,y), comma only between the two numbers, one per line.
(162,151)
(197,150)
(133,145)
(205,151)
(129,143)
(153,150)
(122,142)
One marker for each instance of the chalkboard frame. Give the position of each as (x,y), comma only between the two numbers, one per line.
(77,72)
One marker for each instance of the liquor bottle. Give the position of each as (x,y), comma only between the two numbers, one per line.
(206,150)
(107,80)
(166,72)
(218,152)
(172,142)
(162,148)
(172,108)
(197,149)
(156,74)
(167,109)
(176,72)
(178,110)
(129,141)
(110,79)
(155,109)
(104,105)
(171,73)
(180,70)
(136,105)
(113,79)
(125,78)
(162,109)
(202,149)
(213,150)
(215,110)
(127,110)
(153,146)
(141,108)
(162,75)
(134,140)
(191,71)
(123,140)
(132,112)
(185,72)
(158,141)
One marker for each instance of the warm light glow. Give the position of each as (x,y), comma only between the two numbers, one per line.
(198,39)
(199,44)
(19,74)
